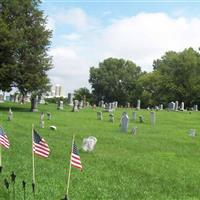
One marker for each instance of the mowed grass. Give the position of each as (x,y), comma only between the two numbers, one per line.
(159,163)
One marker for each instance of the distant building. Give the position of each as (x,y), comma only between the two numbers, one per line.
(57,91)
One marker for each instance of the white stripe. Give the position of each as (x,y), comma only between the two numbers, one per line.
(74,155)
(76,165)
(76,160)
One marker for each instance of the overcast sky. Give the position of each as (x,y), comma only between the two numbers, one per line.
(87,32)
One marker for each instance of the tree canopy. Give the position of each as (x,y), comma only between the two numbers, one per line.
(24,41)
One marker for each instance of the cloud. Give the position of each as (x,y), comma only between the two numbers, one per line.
(72,36)
(141,38)
(50,23)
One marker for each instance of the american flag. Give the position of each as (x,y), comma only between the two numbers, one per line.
(4,139)
(75,158)
(40,147)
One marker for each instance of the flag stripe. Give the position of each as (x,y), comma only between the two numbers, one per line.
(4,139)
(40,147)
(75,158)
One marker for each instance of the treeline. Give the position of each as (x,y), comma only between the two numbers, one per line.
(175,77)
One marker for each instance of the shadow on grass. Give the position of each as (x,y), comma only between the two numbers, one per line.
(15,108)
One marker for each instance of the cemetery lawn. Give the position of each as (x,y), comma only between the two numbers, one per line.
(159,163)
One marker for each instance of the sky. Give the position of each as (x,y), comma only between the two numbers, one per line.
(85,32)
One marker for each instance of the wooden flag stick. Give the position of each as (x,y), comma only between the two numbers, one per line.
(69,175)
(33,162)
(0,159)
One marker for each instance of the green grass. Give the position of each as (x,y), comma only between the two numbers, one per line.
(159,163)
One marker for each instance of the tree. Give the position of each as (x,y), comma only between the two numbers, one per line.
(30,61)
(115,80)
(180,73)
(82,93)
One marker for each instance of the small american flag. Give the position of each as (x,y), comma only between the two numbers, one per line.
(75,158)
(40,147)
(4,139)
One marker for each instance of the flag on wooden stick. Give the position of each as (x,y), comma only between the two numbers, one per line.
(40,147)
(4,139)
(75,158)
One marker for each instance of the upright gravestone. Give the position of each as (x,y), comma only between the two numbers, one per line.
(171,106)
(34,103)
(124,122)
(99,116)
(10,115)
(70,99)
(111,118)
(152,118)
(134,131)
(176,106)
(182,106)
(134,116)
(161,106)
(195,108)
(49,115)
(138,104)
(141,119)
(75,106)
(42,120)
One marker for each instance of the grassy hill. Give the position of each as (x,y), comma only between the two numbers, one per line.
(160,162)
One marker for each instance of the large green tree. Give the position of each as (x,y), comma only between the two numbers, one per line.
(180,76)
(115,80)
(27,44)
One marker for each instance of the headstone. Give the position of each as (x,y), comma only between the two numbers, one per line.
(124,122)
(156,108)
(70,99)
(192,132)
(148,108)
(152,118)
(182,106)
(99,116)
(60,105)
(49,115)
(134,131)
(101,103)
(111,117)
(141,119)
(128,105)
(171,106)
(34,104)
(75,106)
(42,120)
(161,106)
(1,98)
(134,116)
(89,143)
(195,107)
(10,115)
(138,104)
(176,106)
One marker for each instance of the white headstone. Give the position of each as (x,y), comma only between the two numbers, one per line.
(124,122)
(152,118)
(89,143)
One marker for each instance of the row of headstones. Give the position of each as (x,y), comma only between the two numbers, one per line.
(175,106)
(77,105)
(108,106)
(113,105)
(125,119)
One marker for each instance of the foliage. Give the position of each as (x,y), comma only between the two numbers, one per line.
(25,62)
(82,93)
(115,80)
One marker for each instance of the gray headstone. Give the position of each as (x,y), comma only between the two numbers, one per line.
(161,106)
(124,122)
(176,106)
(182,106)
(10,115)
(49,115)
(152,118)
(111,118)
(70,99)
(75,106)
(134,116)
(99,116)
(141,119)
(134,131)
(138,104)
(171,106)
(195,107)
